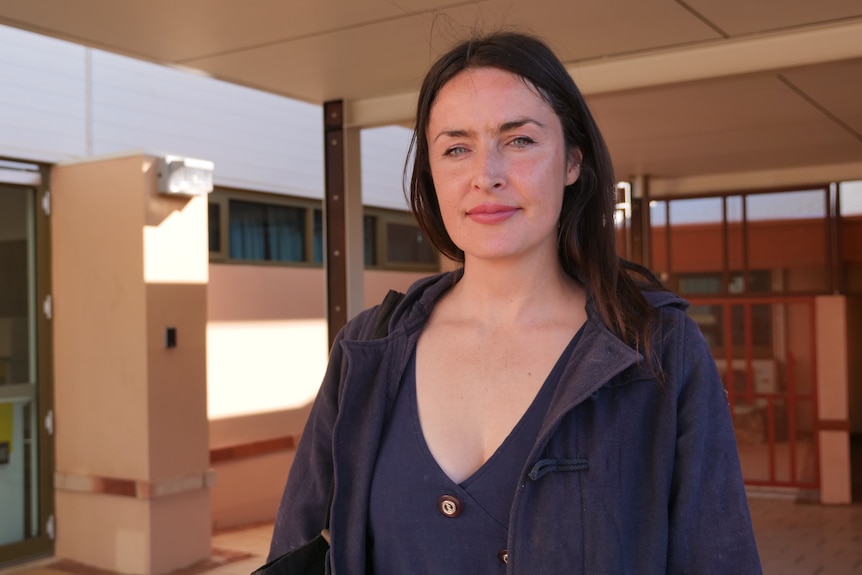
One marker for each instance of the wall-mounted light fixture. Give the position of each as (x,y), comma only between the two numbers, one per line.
(185,176)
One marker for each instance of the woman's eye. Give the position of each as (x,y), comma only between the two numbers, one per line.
(455,151)
(522,141)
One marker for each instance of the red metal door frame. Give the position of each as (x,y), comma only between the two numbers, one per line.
(791,396)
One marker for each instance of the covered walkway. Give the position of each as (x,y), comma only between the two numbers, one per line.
(694,97)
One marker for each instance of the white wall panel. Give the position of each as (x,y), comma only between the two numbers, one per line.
(53,107)
(383,153)
(42,97)
(257,140)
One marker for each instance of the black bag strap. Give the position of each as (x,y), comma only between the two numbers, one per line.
(384,313)
(380,330)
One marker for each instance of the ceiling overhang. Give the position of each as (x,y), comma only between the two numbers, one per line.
(690,91)
(768,53)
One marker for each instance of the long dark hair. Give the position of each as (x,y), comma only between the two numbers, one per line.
(587,239)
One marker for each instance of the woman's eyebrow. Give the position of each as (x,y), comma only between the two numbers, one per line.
(504,127)
(515,124)
(454,134)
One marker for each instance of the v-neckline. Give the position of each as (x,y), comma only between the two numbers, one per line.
(541,400)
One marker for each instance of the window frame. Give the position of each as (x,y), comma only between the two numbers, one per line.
(384,216)
(670,276)
(221,196)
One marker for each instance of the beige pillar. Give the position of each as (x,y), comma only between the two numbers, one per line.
(832,399)
(854,341)
(354,222)
(132,465)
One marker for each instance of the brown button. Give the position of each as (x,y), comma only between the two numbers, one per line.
(449,506)
(503,556)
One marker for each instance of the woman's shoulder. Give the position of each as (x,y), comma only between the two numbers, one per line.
(671,310)
(398,308)
(665,300)
(676,336)
(673,330)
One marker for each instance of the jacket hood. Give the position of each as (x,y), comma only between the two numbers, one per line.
(419,300)
(665,298)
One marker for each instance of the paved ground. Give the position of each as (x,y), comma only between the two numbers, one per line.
(793,538)
(807,538)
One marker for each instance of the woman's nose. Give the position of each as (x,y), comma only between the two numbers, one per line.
(490,170)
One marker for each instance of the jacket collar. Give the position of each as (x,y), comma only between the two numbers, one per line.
(414,309)
(598,358)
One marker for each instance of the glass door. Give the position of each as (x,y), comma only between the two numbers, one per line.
(25,454)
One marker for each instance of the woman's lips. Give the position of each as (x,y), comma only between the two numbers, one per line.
(491,213)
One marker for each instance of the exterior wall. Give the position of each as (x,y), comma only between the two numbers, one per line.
(248,488)
(267,353)
(248,134)
(266,338)
(42,97)
(791,244)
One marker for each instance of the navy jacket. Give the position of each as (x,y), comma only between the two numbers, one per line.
(628,475)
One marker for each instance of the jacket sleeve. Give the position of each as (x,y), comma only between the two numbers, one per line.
(710,525)
(302,511)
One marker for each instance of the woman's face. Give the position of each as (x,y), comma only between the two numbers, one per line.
(499,164)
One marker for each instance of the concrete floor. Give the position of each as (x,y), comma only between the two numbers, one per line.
(793,539)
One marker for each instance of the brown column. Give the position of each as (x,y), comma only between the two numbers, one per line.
(640,221)
(334,216)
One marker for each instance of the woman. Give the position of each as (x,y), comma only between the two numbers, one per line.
(548,408)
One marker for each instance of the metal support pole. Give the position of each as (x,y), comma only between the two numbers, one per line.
(641,230)
(335,244)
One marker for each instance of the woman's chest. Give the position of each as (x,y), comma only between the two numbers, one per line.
(473,392)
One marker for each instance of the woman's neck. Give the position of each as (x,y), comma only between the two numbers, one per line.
(504,293)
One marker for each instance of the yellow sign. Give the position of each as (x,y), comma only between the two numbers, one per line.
(6,415)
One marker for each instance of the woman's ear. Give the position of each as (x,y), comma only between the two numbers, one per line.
(573,166)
